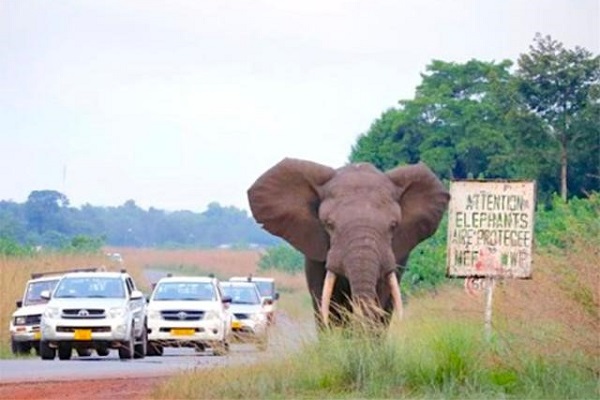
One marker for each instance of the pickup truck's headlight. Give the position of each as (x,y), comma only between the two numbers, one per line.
(211,314)
(20,320)
(52,312)
(153,314)
(117,312)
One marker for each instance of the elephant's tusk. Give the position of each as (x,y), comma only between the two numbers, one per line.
(330,278)
(396,296)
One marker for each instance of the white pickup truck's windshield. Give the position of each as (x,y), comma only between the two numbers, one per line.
(95,287)
(192,291)
(34,289)
(265,288)
(241,294)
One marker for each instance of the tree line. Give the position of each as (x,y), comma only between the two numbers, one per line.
(46,219)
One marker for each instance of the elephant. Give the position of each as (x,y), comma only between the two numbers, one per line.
(355,226)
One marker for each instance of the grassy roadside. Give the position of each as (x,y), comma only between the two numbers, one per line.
(545,346)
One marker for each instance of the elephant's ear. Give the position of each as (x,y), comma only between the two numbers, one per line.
(285,200)
(423,200)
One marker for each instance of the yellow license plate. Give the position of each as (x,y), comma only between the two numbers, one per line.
(236,324)
(182,332)
(83,334)
(37,335)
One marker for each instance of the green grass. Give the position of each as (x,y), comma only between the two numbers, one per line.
(428,361)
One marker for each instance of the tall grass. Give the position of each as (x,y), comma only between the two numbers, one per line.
(425,360)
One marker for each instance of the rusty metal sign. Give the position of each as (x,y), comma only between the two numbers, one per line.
(490,229)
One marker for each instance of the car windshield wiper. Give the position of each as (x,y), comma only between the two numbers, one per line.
(245,302)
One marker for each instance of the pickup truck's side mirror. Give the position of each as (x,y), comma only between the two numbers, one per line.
(276,296)
(45,294)
(267,300)
(19,303)
(136,294)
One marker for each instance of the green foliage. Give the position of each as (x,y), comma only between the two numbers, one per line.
(9,247)
(85,244)
(562,87)
(281,258)
(558,224)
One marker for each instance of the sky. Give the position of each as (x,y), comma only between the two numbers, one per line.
(177,104)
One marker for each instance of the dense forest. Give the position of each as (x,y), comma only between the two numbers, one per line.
(536,120)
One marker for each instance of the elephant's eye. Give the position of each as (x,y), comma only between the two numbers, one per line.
(329,225)
(393,225)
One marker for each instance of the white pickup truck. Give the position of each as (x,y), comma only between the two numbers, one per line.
(94,311)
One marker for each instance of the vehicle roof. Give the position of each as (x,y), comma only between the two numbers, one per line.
(102,274)
(46,278)
(239,284)
(253,278)
(206,279)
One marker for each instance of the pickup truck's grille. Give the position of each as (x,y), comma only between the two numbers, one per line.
(242,316)
(182,315)
(33,319)
(83,313)
(70,329)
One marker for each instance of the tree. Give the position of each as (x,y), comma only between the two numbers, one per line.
(43,210)
(457,123)
(562,87)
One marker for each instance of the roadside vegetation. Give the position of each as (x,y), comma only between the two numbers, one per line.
(544,343)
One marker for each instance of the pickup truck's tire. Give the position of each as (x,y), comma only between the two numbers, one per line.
(103,351)
(20,348)
(47,352)
(141,348)
(127,348)
(154,349)
(64,351)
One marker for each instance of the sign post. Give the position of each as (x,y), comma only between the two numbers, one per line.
(490,234)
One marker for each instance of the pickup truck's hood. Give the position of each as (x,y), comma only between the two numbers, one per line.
(36,309)
(87,303)
(183,305)
(245,308)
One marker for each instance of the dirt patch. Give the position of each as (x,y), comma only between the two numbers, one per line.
(97,389)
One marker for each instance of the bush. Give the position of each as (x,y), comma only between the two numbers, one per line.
(282,258)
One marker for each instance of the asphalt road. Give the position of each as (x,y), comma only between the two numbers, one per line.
(286,336)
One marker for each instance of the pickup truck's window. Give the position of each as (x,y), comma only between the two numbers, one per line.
(90,287)
(195,291)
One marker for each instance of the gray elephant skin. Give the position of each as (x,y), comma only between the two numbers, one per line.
(355,225)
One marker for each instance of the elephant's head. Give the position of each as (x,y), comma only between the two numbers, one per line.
(361,223)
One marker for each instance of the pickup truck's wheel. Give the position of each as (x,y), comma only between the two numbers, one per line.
(103,351)
(154,349)
(127,348)
(64,351)
(141,348)
(20,348)
(47,352)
